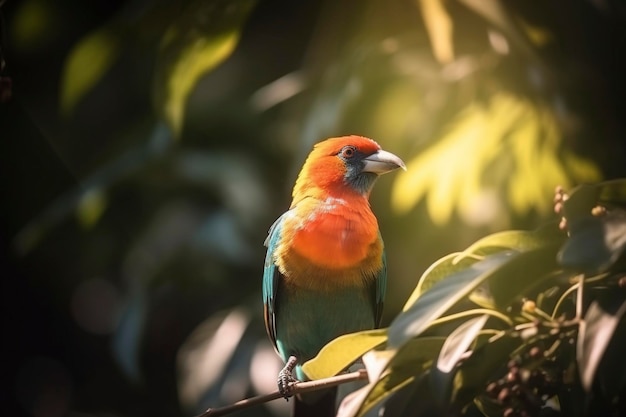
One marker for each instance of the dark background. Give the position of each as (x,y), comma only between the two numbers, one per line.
(120,237)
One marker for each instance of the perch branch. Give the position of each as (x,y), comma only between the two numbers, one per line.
(298,388)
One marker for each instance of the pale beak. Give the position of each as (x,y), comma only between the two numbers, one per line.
(382,162)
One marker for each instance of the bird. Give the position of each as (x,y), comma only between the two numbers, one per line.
(325,270)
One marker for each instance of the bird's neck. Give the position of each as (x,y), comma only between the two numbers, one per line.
(332,191)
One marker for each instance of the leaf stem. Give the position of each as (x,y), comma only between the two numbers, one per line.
(473,312)
(562,298)
(579,297)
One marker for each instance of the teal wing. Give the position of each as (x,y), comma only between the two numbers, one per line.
(379,290)
(271,279)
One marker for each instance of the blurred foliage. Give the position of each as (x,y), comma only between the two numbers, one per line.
(542,334)
(203,36)
(86,65)
(505,134)
(146,147)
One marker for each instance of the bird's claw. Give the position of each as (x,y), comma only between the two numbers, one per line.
(286,381)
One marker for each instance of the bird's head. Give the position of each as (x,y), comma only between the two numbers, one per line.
(343,166)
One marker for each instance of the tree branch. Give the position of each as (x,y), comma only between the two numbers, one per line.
(298,388)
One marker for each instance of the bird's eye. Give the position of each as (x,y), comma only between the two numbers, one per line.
(347,151)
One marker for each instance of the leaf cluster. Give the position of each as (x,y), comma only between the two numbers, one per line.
(519,323)
(192,39)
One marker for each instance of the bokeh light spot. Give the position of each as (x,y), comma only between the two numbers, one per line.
(96,306)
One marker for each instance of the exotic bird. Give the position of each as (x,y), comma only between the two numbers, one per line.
(325,271)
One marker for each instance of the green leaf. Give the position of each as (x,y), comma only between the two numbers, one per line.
(388,384)
(519,240)
(415,353)
(202,37)
(595,334)
(341,352)
(458,342)
(481,296)
(87,63)
(586,196)
(579,204)
(511,280)
(596,243)
(612,192)
(402,367)
(583,198)
(442,268)
(352,402)
(474,373)
(442,296)
(455,346)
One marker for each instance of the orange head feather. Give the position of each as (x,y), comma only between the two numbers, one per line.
(343,167)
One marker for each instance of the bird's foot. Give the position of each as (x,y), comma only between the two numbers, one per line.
(286,381)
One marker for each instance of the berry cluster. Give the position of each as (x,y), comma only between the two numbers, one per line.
(531,380)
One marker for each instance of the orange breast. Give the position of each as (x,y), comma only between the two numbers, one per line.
(334,240)
(329,242)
